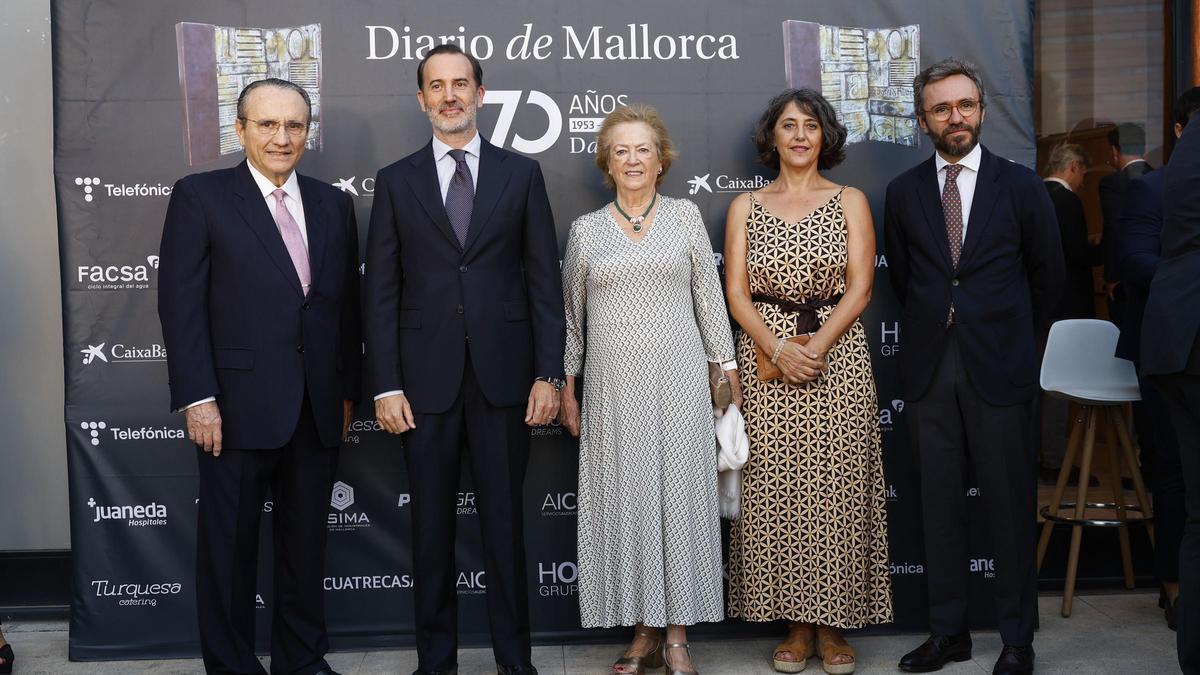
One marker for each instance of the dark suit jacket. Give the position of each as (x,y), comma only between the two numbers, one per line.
(1078,301)
(235,322)
(1112,191)
(1007,282)
(1171,325)
(426,297)
(1138,250)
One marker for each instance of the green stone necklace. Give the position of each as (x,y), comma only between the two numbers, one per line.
(636,221)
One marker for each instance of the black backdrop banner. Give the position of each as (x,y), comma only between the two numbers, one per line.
(144,94)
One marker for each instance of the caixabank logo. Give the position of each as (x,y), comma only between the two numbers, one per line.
(129,515)
(725,183)
(558,579)
(122,353)
(136,594)
(343,518)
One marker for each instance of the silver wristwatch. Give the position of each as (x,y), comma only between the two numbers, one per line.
(557,382)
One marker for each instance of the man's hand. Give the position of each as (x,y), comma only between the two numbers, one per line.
(347,415)
(543,404)
(204,426)
(394,414)
(735,387)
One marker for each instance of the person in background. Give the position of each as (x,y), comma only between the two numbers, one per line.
(1065,172)
(645,325)
(1127,143)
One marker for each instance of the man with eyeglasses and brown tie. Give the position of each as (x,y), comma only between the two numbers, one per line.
(258,299)
(975,259)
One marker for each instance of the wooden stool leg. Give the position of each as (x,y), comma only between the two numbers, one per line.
(1118,492)
(1060,486)
(1138,485)
(1085,474)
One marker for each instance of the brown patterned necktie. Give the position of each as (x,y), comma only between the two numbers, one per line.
(952,211)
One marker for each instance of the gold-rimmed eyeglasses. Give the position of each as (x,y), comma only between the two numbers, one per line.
(966,107)
(271,127)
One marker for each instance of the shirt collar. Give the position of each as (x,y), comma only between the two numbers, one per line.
(1132,162)
(291,186)
(971,161)
(1056,179)
(440,149)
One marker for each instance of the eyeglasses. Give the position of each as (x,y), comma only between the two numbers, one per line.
(271,127)
(966,107)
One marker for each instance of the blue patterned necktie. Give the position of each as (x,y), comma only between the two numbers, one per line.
(460,197)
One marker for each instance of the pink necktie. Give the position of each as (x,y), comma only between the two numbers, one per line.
(292,240)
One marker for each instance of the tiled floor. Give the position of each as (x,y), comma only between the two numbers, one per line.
(1108,633)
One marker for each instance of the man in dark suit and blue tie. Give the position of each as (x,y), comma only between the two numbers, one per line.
(465,332)
(974,255)
(1170,354)
(258,299)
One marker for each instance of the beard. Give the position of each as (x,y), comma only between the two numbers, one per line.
(464,123)
(952,148)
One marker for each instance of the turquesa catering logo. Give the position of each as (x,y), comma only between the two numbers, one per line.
(136,594)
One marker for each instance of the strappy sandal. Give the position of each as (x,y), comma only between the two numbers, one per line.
(831,644)
(6,653)
(670,669)
(799,643)
(637,665)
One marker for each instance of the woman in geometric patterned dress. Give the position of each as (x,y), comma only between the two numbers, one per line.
(811,544)
(645,318)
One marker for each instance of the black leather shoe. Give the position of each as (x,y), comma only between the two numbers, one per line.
(936,652)
(1014,661)
(453,670)
(516,670)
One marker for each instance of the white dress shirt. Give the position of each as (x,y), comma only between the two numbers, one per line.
(966,180)
(446,167)
(1056,179)
(294,204)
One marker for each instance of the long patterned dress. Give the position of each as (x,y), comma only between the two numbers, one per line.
(811,544)
(654,316)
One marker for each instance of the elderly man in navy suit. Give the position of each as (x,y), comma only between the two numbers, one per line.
(258,299)
(975,259)
(465,332)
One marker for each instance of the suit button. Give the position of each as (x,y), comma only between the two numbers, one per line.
(954,283)
(459,309)
(300,348)
(463,269)
(304,306)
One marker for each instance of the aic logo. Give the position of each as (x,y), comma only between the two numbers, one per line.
(471,583)
(559,504)
(886,414)
(889,338)
(134,595)
(342,498)
(123,353)
(141,515)
(557,579)
(368,582)
(116,277)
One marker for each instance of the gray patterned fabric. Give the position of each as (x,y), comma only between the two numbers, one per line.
(460,196)
(651,316)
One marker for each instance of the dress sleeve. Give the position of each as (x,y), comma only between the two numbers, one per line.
(574,271)
(708,301)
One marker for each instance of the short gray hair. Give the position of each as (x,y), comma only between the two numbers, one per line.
(271,82)
(940,71)
(1063,155)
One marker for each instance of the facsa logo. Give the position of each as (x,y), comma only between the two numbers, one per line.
(889,338)
(116,277)
(358,188)
(94,428)
(699,183)
(123,353)
(342,498)
(887,415)
(471,583)
(142,515)
(559,504)
(557,579)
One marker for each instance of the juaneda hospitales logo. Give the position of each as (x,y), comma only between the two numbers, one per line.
(140,515)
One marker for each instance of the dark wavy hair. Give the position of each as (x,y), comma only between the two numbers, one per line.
(811,103)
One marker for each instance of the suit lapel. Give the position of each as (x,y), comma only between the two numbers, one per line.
(931,203)
(986,192)
(250,205)
(490,184)
(424,182)
(317,224)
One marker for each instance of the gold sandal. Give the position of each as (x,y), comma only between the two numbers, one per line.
(830,644)
(670,669)
(799,643)
(639,664)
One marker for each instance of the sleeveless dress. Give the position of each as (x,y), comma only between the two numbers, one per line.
(811,544)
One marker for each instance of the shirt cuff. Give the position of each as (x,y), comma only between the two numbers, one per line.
(729,365)
(193,405)
(389,393)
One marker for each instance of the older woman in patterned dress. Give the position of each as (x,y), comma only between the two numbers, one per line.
(642,295)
